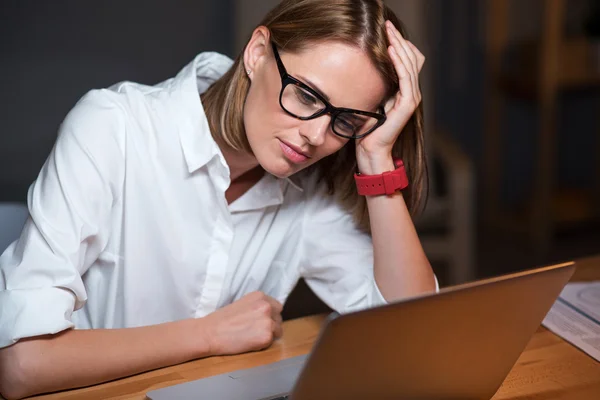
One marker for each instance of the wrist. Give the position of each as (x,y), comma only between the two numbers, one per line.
(375,164)
(387,182)
(199,338)
(374,161)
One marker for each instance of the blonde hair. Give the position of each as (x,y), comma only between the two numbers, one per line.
(294,25)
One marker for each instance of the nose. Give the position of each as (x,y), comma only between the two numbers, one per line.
(314,131)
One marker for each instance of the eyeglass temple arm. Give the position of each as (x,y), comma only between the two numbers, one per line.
(280,65)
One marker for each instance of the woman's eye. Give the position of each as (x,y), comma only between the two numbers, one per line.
(348,125)
(344,125)
(306,98)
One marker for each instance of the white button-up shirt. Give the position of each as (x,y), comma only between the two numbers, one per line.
(129,223)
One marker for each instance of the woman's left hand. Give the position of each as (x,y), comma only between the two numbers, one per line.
(376,148)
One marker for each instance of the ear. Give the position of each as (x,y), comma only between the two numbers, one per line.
(256,50)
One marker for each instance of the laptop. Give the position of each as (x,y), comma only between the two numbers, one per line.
(459,343)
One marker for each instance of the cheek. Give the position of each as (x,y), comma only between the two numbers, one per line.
(262,113)
(332,144)
(255,100)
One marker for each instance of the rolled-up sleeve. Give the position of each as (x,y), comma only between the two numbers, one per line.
(337,257)
(69,206)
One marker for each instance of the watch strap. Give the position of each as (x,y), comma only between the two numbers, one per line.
(386,183)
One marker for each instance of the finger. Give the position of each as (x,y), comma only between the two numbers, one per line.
(277,331)
(412,67)
(277,318)
(404,60)
(420,56)
(391,102)
(420,62)
(403,75)
(397,36)
(404,57)
(409,57)
(276,306)
(404,43)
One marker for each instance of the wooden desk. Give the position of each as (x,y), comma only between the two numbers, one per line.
(549,368)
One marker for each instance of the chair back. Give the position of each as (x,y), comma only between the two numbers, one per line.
(12,219)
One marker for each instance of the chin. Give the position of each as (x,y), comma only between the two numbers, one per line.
(278,168)
(272,160)
(277,165)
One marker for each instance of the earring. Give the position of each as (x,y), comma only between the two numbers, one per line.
(248,71)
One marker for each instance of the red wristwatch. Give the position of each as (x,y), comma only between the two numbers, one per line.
(387,183)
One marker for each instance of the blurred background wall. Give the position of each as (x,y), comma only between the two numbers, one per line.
(51,53)
(518,90)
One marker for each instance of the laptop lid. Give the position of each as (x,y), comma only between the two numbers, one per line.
(460,343)
(457,344)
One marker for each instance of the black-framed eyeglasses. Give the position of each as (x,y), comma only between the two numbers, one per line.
(301,101)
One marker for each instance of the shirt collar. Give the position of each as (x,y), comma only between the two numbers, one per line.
(268,191)
(194,132)
(295,184)
(197,143)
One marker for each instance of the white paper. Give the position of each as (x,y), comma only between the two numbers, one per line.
(575,316)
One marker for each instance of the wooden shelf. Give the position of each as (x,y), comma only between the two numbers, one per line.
(570,208)
(541,72)
(578,68)
(574,206)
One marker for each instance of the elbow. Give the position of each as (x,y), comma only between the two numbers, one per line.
(17,371)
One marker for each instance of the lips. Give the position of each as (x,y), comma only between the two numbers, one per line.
(293,153)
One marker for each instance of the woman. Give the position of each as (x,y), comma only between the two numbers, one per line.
(171,222)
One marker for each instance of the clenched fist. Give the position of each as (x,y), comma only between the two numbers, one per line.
(249,324)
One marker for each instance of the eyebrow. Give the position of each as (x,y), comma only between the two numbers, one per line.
(314,87)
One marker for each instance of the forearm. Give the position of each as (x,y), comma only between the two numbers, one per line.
(78,358)
(401,267)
